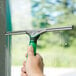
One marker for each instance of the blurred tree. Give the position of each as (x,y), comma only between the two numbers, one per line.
(47,13)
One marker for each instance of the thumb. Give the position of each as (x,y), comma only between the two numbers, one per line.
(30,51)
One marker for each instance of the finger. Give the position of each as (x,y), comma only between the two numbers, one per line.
(30,51)
(23,69)
(24,63)
(23,74)
(26,55)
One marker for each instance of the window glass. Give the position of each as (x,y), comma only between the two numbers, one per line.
(57,48)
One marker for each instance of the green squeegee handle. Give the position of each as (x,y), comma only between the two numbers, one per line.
(33,42)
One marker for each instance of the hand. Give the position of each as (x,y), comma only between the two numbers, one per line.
(34,64)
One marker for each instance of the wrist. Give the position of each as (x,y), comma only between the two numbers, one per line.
(38,73)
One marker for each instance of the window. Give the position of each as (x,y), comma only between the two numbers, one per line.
(57,48)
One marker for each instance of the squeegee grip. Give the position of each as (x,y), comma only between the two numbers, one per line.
(33,43)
